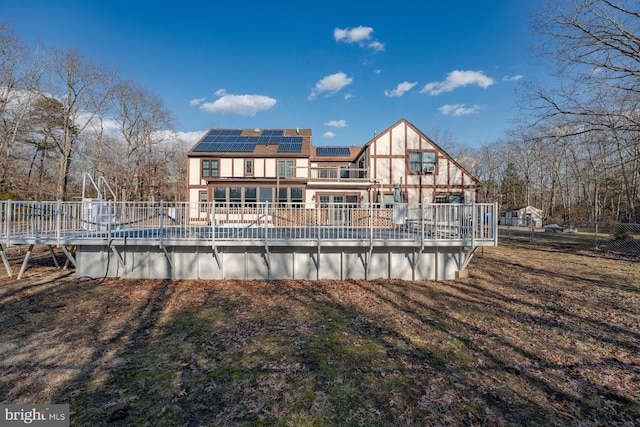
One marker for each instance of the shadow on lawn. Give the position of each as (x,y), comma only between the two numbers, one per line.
(528,385)
(317,353)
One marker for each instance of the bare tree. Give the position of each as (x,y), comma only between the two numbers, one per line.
(20,76)
(142,117)
(593,48)
(83,88)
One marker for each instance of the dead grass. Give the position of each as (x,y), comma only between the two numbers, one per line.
(543,333)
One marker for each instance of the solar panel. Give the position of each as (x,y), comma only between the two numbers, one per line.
(226,132)
(333,151)
(231,140)
(289,148)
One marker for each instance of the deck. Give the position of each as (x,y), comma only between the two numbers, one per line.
(127,229)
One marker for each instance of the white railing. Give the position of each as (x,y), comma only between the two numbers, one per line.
(174,223)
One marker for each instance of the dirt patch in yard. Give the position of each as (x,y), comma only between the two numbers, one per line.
(536,335)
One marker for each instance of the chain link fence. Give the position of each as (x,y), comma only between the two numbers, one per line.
(611,237)
(618,237)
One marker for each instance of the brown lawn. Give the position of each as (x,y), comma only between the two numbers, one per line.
(542,333)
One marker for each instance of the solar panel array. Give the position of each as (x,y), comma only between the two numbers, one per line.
(290,147)
(224,140)
(333,151)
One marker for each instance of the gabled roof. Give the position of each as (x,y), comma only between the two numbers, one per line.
(419,132)
(253,142)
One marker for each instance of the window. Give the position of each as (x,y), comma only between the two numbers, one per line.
(455,198)
(422,161)
(235,197)
(282,194)
(209,168)
(285,168)
(266,194)
(202,196)
(449,198)
(296,195)
(248,167)
(219,194)
(250,196)
(441,198)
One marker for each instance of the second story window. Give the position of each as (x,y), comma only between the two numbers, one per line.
(248,167)
(422,161)
(209,168)
(285,168)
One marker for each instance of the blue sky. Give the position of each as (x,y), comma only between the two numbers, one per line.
(342,69)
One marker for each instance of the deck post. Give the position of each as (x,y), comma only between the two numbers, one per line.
(161,231)
(473,229)
(7,216)
(25,262)
(494,224)
(5,261)
(53,256)
(69,256)
(58,222)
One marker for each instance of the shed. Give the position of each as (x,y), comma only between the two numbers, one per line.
(521,216)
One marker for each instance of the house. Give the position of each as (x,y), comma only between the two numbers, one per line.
(522,216)
(242,167)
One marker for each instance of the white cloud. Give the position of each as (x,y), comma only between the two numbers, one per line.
(457,110)
(337,123)
(189,137)
(512,78)
(195,102)
(348,96)
(330,84)
(243,105)
(352,35)
(377,46)
(456,79)
(400,90)
(329,134)
(358,35)
(378,71)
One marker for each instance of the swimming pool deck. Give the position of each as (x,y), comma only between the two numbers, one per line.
(173,229)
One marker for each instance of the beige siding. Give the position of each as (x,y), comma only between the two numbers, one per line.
(225,167)
(302,166)
(413,140)
(456,175)
(399,169)
(194,172)
(258,168)
(193,194)
(270,168)
(238,167)
(398,135)
(382,171)
(382,145)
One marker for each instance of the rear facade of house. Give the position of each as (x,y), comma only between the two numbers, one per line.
(244,167)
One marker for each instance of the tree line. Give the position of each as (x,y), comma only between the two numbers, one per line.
(62,115)
(575,151)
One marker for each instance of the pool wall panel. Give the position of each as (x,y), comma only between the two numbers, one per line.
(253,262)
